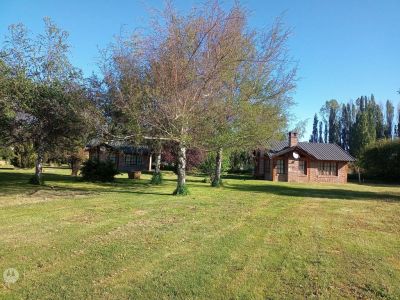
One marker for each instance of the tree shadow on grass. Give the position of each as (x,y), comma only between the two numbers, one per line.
(302,191)
(12,183)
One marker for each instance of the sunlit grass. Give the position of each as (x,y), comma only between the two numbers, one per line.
(250,239)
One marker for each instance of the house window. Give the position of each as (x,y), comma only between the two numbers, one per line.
(303,167)
(280,165)
(112,157)
(327,168)
(267,166)
(133,160)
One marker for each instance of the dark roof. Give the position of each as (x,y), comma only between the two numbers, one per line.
(124,146)
(319,151)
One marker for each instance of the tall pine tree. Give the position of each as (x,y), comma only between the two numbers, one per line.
(389,119)
(333,126)
(314,135)
(363,131)
(320,135)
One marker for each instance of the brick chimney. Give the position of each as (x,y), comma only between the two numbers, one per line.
(292,139)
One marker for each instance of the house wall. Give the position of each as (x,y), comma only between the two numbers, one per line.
(340,178)
(293,174)
(120,160)
(259,163)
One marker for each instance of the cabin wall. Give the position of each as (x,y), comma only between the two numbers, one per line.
(341,177)
(294,174)
(120,159)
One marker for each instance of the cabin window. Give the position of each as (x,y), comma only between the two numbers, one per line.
(327,168)
(267,166)
(112,157)
(133,160)
(303,167)
(280,165)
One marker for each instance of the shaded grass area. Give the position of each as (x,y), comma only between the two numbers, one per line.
(249,239)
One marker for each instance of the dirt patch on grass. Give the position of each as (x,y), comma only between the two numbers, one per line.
(139,212)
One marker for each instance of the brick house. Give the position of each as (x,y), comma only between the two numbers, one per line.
(127,157)
(294,161)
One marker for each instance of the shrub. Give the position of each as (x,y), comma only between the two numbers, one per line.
(194,157)
(182,190)
(24,156)
(381,160)
(95,170)
(206,180)
(156,179)
(208,166)
(241,162)
(6,153)
(217,183)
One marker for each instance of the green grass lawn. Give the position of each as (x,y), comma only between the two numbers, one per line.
(250,239)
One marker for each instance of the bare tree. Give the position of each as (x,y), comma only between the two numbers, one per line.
(202,80)
(177,74)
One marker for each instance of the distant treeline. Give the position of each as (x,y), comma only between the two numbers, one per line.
(355,125)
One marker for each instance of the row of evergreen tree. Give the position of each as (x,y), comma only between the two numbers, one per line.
(354,125)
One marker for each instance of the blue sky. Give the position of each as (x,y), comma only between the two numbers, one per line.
(345,48)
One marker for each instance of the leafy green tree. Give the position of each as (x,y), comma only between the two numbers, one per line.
(363,131)
(24,155)
(49,102)
(378,118)
(330,114)
(6,153)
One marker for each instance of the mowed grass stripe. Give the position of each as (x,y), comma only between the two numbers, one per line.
(250,239)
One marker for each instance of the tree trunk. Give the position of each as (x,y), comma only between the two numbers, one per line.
(218,168)
(157,169)
(359,174)
(181,170)
(38,169)
(75,166)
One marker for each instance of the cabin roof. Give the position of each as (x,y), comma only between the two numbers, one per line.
(320,151)
(124,146)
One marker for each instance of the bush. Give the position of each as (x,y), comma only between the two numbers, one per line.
(194,157)
(241,162)
(95,170)
(24,156)
(156,179)
(206,180)
(182,191)
(6,153)
(217,183)
(208,165)
(381,160)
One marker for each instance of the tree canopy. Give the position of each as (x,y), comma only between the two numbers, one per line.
(44,101)
(200,80)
